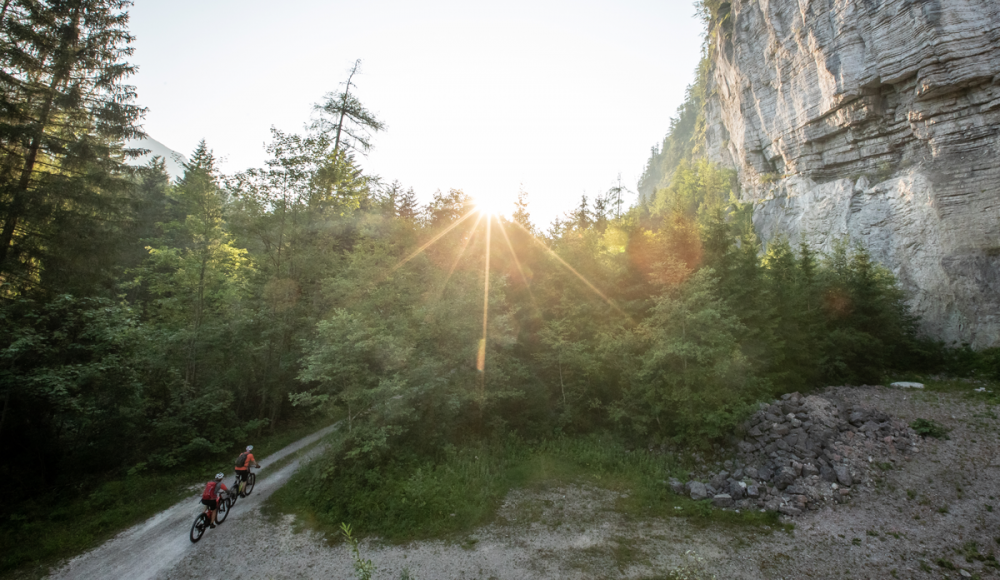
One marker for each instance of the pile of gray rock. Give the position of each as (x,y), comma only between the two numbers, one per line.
(801,453)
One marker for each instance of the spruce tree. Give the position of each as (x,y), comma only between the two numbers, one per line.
(64,112)
(408,207)
(581,218)
(196,272)
(389,197)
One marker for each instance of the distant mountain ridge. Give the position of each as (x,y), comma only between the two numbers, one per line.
(174,160)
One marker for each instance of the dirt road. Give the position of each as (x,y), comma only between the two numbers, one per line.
(152,548)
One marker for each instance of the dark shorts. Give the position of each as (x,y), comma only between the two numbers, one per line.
(242,475)
(211,503)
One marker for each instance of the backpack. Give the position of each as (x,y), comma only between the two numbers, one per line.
(210,490)
(242,460)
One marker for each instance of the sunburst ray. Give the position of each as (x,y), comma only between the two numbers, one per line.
(517,263)
(461,252)
(481,359)
(566,265)
(432,240)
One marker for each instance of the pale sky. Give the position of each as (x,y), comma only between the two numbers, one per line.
(559,97)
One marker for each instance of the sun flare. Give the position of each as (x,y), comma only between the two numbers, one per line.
(489,205)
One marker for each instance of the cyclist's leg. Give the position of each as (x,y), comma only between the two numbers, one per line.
(208,510)
(213,509)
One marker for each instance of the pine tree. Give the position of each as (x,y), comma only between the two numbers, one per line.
(64,112)
(388,198)
(581,218)
(151,206)
(694,379)
(615,193)
(600,213)
(445,208)
(295,216)
(408,208)
(521,215)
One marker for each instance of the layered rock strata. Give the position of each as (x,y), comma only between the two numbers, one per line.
(877,121)
(802,453)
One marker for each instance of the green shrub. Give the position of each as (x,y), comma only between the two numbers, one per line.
(930,428)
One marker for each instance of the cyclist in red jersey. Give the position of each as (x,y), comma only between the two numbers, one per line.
(210,497)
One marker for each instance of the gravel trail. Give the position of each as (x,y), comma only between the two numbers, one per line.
(150,549)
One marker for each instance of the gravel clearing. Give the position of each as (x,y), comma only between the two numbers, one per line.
(926,516)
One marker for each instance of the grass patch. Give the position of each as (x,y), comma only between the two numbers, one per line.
(930,428)
(409,500)
(970,550)
(39,533)
(946,564)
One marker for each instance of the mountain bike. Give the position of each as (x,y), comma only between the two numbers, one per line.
(234,490)
(204,519)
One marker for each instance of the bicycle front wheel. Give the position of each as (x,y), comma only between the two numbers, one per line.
(198,527)
(251,479)
(223,510)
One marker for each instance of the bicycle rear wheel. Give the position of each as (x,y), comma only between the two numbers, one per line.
(234,493)
(198,527)
(223,510)
(251,479)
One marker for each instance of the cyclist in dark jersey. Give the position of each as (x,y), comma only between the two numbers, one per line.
(242,471)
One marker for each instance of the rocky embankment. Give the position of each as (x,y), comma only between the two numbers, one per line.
(803,453)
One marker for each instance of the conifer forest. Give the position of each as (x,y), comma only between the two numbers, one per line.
(151,325)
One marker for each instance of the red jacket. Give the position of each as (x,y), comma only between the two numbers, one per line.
(212,489)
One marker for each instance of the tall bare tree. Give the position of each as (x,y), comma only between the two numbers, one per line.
(343,115)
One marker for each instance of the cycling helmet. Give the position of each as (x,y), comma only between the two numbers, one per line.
(249,447)
(219,476)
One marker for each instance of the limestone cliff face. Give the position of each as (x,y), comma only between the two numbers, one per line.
(876,120)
